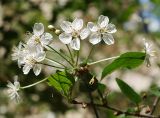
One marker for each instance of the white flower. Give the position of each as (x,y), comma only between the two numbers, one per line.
(149,52)
(73,32)
(29,56)
(13,90)
(39,38)
(18,54)
(103,30)
(32,59)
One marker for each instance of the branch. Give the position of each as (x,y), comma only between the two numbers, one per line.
(116,110)
(93,105)
(155,103)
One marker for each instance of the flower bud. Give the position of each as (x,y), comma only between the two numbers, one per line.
(148,110)
(51,27)
(91,82)
(84,105)
(57,32)
(117,113)
(144,95)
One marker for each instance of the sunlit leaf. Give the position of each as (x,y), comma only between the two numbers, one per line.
(127,60)
(62,82)
(155,91)
(101,87)
(128,91)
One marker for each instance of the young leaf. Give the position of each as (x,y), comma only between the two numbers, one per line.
(155,91)
(101,87)
(62,82)
(128,91)
(127,60)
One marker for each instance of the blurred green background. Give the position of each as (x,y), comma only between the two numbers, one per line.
(134,20)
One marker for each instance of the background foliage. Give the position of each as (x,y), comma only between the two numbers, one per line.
(134,19)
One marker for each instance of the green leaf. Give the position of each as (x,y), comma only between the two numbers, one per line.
(128,91)
(101,87)
(127,60)
(155,91)
(62,82)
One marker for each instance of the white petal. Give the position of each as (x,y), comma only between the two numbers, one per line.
(75,44)
(77,24)
(16,83)
(95,38)
(103,21)
(66,26)
(40,56)
(26,68)
(38,29)
(108,38)
(17,98)
(20,45)
(65,38)
(46,39)
(31,40)
(19,63)
(32,49)
(92,27)
(111,28)
(37,69)
(84,33)
(10,85)
(39,48)
(147,45)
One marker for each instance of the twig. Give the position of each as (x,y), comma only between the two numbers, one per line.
(92,101)
(93,105)
(116,110)
(104,101)
(155,103)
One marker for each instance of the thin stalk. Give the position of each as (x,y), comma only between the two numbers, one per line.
(104,101)
(93,105)
(155,103)
(52,66)
(70,53)
(102,60)
(28,86)
(138,107)
(55,62)
(62,52)
(61,55)
(92,100)
(77,58)
(90,53)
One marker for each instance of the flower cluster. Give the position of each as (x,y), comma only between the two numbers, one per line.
(74,31)
(13,89)
(149,52)
(30,54)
